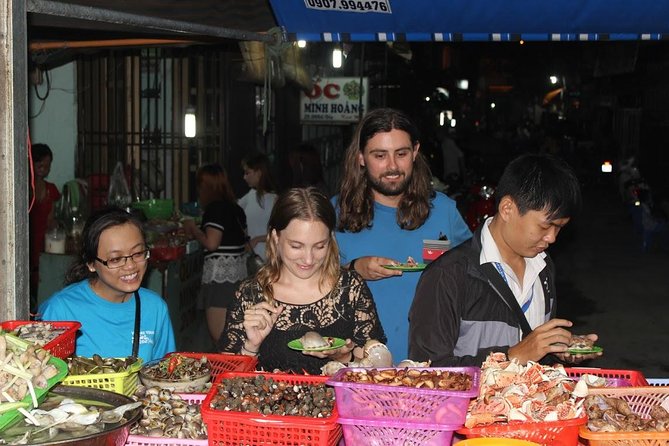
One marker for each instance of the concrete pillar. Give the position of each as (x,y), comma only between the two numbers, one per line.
(14,270)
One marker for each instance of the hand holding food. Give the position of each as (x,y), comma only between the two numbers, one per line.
(581,348)
(259,320)
(372,268)
(551,337)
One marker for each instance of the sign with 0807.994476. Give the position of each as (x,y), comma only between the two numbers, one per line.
(380,6)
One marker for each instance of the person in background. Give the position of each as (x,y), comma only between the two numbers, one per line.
(258,201)
(496,293)
(41,217)
(453,159)
(301,288)
(103,293)
(386,209)
(223,236)
(306,168)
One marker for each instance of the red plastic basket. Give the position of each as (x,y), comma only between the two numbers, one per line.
(141,440)
(641,400)
(63,345)
(548,433)
(386,433)
(617,377)
(398,404)
(232,428)
(221,363)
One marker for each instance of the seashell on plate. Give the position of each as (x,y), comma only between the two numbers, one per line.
(312,340)
(377,353)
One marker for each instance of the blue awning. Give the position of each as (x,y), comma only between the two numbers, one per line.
(472,20)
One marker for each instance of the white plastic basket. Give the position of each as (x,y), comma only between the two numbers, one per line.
(658,381)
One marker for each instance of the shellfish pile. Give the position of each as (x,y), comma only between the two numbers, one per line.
(610,414)
(271,397)
(374,354)
(513,392)
(428,379)
(167,414)
(38,333)
(79,365)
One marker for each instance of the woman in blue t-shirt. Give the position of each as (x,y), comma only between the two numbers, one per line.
(103,293)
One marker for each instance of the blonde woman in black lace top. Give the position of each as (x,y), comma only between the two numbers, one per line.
(301,288)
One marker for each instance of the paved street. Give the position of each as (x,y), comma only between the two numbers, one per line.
(609,286)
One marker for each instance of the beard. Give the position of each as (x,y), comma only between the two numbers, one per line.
(391,190)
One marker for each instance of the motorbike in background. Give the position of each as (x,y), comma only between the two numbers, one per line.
(479,204)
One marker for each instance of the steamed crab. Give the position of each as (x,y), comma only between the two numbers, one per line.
(511,391)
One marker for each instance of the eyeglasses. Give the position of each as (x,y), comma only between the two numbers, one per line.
(118,262)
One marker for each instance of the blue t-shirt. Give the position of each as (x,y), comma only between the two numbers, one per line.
(107,328)
(393,296)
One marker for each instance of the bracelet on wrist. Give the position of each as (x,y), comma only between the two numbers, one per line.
(255,353)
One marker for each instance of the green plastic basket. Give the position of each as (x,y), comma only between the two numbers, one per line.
(155,208)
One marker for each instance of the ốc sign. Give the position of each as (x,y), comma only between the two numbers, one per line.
(335,100)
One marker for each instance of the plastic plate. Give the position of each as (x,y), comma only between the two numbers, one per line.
(585,351)
(406,267)
(335,343)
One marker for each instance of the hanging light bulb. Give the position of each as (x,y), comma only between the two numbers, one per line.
(190,123)
(336,58)
(301,43)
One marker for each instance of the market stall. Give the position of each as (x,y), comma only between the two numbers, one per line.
(204,398)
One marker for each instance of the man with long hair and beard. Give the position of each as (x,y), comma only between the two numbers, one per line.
(387,207)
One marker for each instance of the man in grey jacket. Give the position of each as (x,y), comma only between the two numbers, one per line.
(496,292)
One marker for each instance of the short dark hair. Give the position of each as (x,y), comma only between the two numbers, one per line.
(90,239)
(540,182)
(40,151)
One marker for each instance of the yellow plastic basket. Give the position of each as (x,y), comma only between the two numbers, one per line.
(123,382)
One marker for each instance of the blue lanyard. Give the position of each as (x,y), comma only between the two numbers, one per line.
(526,305)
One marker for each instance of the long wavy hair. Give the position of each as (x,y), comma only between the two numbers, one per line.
(260,162)
(214,180)
(356,200)
(307,204)
(90,240)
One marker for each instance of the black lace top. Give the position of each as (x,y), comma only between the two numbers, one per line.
(346,312)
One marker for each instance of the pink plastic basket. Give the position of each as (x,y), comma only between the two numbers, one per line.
(140,440)
(386,433)
(398,404)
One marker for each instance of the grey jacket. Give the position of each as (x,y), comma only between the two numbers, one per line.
(458,316)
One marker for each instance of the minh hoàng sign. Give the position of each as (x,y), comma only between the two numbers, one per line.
(334,100)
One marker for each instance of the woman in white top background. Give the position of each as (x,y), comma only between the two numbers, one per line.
(258,202)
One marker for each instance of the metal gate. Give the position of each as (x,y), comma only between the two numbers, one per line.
(131,107)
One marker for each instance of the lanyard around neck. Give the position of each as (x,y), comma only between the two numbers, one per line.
(138,317)
(528,302)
